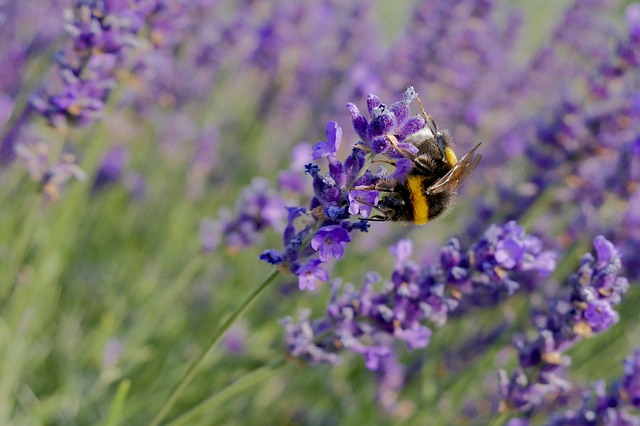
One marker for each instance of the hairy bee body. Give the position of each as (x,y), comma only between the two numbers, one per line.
(409,201)
(429,188)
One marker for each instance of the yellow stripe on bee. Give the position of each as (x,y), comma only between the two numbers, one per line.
(450,156)
(418,200)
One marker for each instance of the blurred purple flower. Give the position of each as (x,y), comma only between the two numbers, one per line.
(595,288)
(307,274)
(292,179)
(258,209)
(613,405)
(600,315)
(98,38)
(631,379)
(112,352)
(235,340)
(111,168)
(632,15)
(210,235)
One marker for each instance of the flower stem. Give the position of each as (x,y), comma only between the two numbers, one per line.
(243,383)
(501,419)
(195,366)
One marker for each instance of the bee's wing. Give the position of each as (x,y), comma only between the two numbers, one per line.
(463,169)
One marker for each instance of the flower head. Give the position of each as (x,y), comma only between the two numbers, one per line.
(330,241)
(308,273)
(331,145)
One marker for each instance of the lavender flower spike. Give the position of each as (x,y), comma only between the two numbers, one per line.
(376,324)
(100,33)
(587,309)
(323,230)
(616,404)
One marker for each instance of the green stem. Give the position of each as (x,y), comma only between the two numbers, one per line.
(17,254)
(537,209)
(243,383)
(195,366)
(178,286)
(117,406)
(501,419)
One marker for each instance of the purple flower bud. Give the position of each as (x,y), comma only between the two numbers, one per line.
(373,102)
(373,355)
(337,171)
(411,126)
(272,256)
(300,340)
(409,95)
(354,163)
(332,144)
(604,249)
(383,121)
(400,110)
(395,154)
(235,340)
(360,123)
(379,144)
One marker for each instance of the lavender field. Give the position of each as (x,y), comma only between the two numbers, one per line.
(196,204)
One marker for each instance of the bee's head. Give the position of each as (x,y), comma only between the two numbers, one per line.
(392,208)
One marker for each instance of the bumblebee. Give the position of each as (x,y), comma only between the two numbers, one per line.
(428,190)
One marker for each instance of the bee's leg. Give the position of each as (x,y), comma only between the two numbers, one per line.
(383,185)
(361,201)
(417,160)
(424,163)
(373,188)
(375,218)
(392,162)
(394,143)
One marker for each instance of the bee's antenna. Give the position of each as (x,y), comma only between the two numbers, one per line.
(431,123)
(424,113)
